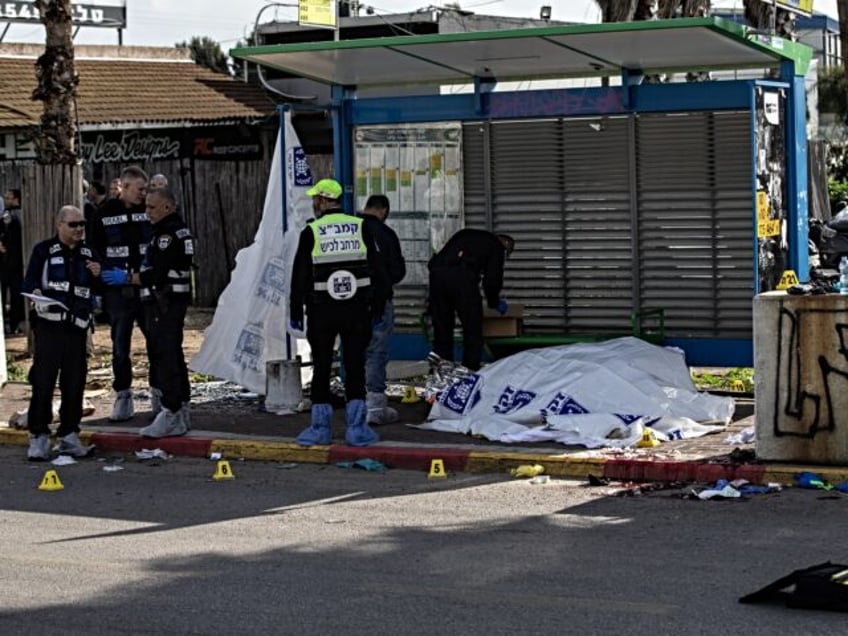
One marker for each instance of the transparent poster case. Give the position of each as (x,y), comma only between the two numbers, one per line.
(419,168)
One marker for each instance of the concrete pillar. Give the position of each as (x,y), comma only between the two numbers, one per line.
(801,377)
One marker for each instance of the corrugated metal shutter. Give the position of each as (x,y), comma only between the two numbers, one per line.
(695,224)
(561,188)
(598,237)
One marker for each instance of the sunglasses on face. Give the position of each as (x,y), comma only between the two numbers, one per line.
(75,224)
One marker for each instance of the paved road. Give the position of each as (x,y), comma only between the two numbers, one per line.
(162,548)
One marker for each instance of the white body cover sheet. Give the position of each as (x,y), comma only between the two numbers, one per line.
(598,394)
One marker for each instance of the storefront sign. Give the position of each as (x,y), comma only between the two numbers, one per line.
(174,143)
(112,14)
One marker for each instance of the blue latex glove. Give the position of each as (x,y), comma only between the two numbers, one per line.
(115,276)
(296,325)
(502,307)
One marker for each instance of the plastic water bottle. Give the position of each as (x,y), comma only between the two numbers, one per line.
(843,276)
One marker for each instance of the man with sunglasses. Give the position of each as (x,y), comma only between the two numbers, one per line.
(120,234)
(61,274)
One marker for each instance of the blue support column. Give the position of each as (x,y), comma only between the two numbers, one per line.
(797,186)
(483,87)
(343,144)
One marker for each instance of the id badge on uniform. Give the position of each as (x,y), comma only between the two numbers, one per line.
(341,285)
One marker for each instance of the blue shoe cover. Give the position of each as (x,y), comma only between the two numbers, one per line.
(358,433)
(319,432)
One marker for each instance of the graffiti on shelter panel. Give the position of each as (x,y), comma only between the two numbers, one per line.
(812,364)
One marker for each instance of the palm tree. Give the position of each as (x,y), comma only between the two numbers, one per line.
(636,10)
(842,9)
(758,13)
(57,85)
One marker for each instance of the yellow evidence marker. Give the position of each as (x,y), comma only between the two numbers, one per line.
(437,469)
(223,470)
(787,279)
(410,396)
(51,481)
(649,439)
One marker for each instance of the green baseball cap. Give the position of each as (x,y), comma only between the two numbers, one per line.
(327,188)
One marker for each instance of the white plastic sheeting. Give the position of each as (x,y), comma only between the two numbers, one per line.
(249,327)
(599,394)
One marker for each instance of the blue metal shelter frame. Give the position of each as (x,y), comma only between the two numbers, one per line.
(788,61)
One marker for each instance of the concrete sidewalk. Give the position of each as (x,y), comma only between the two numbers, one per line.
(238,431)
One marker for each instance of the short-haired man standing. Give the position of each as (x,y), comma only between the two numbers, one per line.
(341,282)
(165,281)
(11,262)
(375,213)
(158,181)
(120,235)
(62,269)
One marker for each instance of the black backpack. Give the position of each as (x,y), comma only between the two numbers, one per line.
(823,586)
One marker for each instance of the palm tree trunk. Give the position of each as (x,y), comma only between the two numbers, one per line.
(842,8)
(57,83)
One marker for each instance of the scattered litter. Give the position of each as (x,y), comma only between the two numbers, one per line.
(812,481)
(156,453)
(112,468)
(63,460)
(540,479)
(443,374)
(598,481)
(220,391)
(287,466)
(367,464)
(745,436)
(215,456)
(637,490)
(527,470)
(18,420)
(742,455)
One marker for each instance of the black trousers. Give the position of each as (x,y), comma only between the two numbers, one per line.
(60,352)
(455,291)
(168,370)
(10,290)
(125,310)
(351,321)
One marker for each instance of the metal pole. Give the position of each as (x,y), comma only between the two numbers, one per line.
(338,22)
(773,21)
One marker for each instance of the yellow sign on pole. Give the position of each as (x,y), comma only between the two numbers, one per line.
(804,7)
(317,13)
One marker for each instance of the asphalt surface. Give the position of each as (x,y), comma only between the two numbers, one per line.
(159,547)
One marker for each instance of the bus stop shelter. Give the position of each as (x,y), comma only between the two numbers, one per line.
(624,193)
